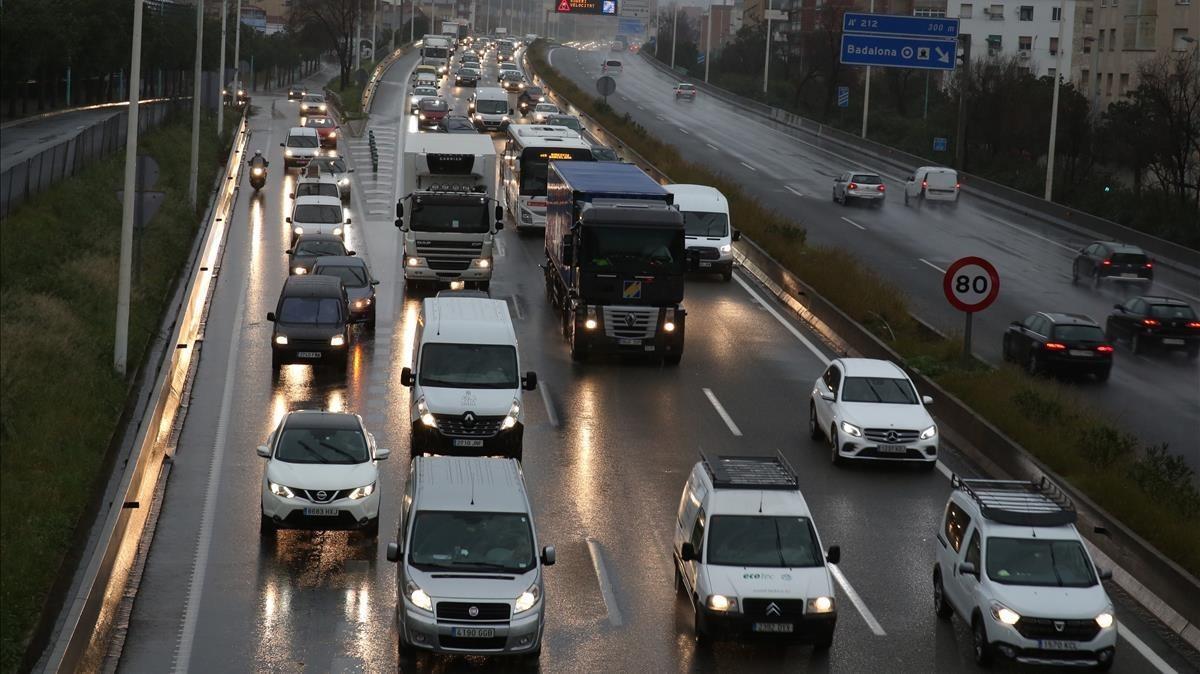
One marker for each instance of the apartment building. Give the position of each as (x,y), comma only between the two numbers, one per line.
(1037,32)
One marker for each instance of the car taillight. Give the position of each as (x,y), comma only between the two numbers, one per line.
(1055,346)
(880,188)
(1149,265)
(1149,321)
(1104,348)
(924,184)
(1194,324)
(957,185)
(852,186)
(1107,263)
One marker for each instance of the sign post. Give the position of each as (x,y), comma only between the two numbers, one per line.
(970,284)
(605,86)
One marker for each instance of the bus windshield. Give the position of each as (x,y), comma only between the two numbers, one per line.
(534,161)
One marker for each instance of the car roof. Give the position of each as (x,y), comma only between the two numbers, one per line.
(319,200)
(312,286)
(545,105)
(863,172)
(1159,299)
(340,261)
(1002,530)
(321,178)
(1118,247)
(870,367)
(490,93)
(470,320)
(302,131)
(685,84)
(322,419)
(698,198)
(754,502)
(1063,318)
(457,483)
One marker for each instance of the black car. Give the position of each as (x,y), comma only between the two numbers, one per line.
(603,153)
(1165,321)
(309,247)
(359,283)
(1056,342)
(512,81)
(296,93)
(456,124)
(530,96)
(1106,260)
(466,77)
(311,323)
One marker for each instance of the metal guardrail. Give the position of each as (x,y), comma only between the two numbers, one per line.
(89,618)
(368,94)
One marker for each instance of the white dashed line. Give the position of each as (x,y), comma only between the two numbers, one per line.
(857,601)
(713,147)
(733,428)
(793,190)
(550,413)
(854,223)
(748,166)
(684,131)
(932,265)
(788,326)
(1146,652)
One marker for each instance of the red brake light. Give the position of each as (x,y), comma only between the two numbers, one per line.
(924,184)
(1107,263)
(852,186)
(881,188)
(1149,265)
(1194,324)
(1055,346)
(957,185)
(1104,348)
(1149,321)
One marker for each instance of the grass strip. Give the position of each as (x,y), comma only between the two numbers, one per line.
(1150,490)
(349,98)
(60,401)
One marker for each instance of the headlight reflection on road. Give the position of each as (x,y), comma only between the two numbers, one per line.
(587,416)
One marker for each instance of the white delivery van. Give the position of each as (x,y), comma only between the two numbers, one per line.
(490,110)
(300,146)
(707,232)
(317,215)
(466,380)
(932,183)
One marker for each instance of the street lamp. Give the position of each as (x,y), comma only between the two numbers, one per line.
(1062,18)
(124,281)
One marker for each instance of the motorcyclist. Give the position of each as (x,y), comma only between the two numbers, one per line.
(258,160)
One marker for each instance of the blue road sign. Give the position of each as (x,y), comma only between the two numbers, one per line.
(897,52)
(843,97)
(939,144)
(700,57)
(891,24)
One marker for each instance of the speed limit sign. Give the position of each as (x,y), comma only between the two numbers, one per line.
(971,284)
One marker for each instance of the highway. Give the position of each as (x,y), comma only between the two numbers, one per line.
(608,445)
(912,246)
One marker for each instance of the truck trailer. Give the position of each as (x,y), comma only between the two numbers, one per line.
(435,51)
(615,260)
(452,216)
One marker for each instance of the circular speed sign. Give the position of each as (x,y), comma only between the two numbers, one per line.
(971,284)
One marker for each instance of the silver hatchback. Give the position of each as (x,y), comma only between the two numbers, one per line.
(860,185)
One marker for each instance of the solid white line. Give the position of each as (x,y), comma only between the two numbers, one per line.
(183,650)
(553,416)
(857,601)
(748,166)
(790,328)
(733,428)
(1141,647)
(944,470)
(684,131)
(932,265)
(854,223)
(793,191)
(606,591)
(713,147)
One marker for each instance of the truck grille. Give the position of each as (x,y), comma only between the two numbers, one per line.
(458,610)
(891,436)
(432,246)
(475,427)
(630,322)
(1048,628)
(448,263)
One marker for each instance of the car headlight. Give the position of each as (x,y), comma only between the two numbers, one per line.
(360,304)
(820,605)
(481,263)
(362,492)
(425,415)
(417,596)
(929,432)
(719,602)
(287,152)
(851,429)
(337,340)
(322,106)
(333,134)
(299,271)
(727,249)
(528,599)
(514,413)
(337,231)
(224,92)
(280,490)
(281,340)
(415,262)
(422,115)
(298,231)
(1004,614)
(241,92)
(256,171)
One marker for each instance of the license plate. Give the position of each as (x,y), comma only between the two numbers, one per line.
(473,632)
(309,354)
(468,443)
(629,342)
(892,449)
(1056,645)
(705,265)
(1081,352)
(1127,275)
(320,512)
(774,628)
(1172,341)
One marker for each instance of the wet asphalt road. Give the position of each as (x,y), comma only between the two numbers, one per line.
(606,456)
(912,246)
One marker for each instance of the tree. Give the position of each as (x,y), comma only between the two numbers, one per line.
(335,19)
(1168,95)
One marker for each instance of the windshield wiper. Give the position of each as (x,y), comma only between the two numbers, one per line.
(489,565)
(874,391)
(341,451)
(312,451)
(1054,566)
(779,544)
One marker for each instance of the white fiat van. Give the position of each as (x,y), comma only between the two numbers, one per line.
(707,233)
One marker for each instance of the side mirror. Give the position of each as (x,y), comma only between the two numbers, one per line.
(281,145)
(349,170)
(291,195)
(835,554)
(351,253)
(737,235)
(288,219)
(382,453)
(374,282)
(548,555)
(399,211)
(968,569)
(529,381)
(687,552)
(406,377)
(928,400)
(289,251)
(1103,531)
(347,221)
(827,396)
(499,212)
(1104,574)
(393,552)
(499,225)
(264,451)
(271,316)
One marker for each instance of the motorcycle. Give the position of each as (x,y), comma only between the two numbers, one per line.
(258,177)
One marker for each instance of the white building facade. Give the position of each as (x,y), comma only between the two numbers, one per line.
(1026,29)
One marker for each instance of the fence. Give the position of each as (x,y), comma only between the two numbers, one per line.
(35,174)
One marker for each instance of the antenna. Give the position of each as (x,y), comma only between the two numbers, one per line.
(472,472)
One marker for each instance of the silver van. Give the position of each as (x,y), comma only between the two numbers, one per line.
(469,574)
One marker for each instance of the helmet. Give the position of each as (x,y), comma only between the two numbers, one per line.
(258,153)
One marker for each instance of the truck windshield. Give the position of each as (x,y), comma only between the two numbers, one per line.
(472,541)
(1038,561)
(696,223)
(534,162)
(434,52)
(756,540)
(491,106)
(461,218)
(469,366)
(657,251)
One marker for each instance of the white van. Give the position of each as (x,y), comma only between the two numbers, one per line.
(611,67)
(708,234)
(932,183)
(469,573)
(300,146)
(465,377)
(317,215)
(490,110)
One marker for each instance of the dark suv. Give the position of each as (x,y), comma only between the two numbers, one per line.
(1054,342)
(1106,260)
(311,323)
(1165,321)
(530,96)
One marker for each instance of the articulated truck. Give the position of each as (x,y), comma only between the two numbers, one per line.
(451,216)
(615,260)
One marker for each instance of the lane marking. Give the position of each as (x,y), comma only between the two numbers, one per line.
(790,328)
(187,632)
(553,416)
(641,108)
(713,147)
(749,166)
(857,601)
(684,131)
(1146,652)
(944,470)
(932,265)
(793,190)
(661,118)
(854,223)
(1031,233)
(606,591)
(733,428)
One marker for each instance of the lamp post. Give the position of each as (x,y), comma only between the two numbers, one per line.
(674,32)
(194,174)
(221,72)
(1062,18)
(867,90)
(767,56)
(237,44)
(121,343)
(708,43)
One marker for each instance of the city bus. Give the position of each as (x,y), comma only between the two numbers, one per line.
(527,153)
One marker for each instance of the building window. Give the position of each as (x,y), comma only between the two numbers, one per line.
(927,12)
(1177,41)
(995,43)
(1025,42)
(1025,13)
(1051,72)
(1053,46)
(1083,77)
(1055,13)
(1112,40)
(965,11)
(1104,3)
(1089,14)
(1140,23)
(996,12)
(1108,85)
(1100,41)
(1124,84)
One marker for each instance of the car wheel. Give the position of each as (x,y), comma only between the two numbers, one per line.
(727,275)
(941,606)
(982,648)
(679,588)
(814,427)
(1033,365)
(834,455)
(266,526)
(1135,344)
(698,627)
(372,528)
(578,349)
(1096,278)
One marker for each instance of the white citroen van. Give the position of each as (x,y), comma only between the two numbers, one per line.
(490,110)
(465,377)
(708,235)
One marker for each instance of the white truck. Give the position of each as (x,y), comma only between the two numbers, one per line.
(435,51)
(451,217)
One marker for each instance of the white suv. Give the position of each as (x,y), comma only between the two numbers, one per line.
(869,409)
(748,556)
(1011,563)
(321,473)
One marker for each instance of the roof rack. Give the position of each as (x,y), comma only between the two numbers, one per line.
(1019,502)
(751,472)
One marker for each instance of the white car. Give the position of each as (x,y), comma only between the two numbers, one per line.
(321,473)
(335,166)
(1012,565)
(317,215)
(611,67)
(543,110)
(419,94)
(869,409)
(932,183)
(747,553)
(301,145)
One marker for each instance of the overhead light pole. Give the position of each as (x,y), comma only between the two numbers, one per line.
(237,44)
(1062,18)
(124,275)
(194,174)
(867,90)
(221,71)
(708,43)
(674,32)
